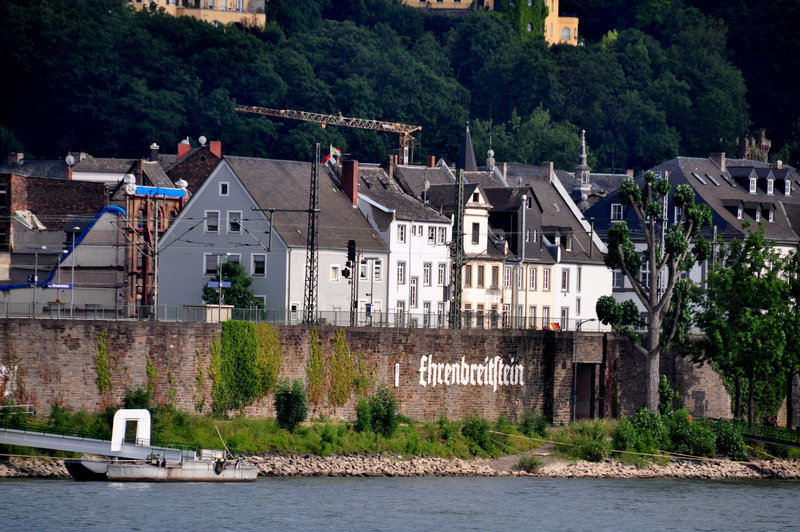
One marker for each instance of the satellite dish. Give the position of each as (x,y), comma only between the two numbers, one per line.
(129,178)
(426,184)
(202,140)
(70,160)
(130,188)
(180,183)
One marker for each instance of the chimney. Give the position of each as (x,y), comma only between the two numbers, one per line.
(718,159)
(350,180)
(183,148)
(154,152)
(548,166)
(390,165)
(16,157)
(430,161)
(629,172)
(215,147)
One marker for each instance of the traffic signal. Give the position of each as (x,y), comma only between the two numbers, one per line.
(346,273)
(351,251)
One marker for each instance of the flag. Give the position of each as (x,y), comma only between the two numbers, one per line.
(333,153)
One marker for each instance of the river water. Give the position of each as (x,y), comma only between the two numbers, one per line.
(401,504)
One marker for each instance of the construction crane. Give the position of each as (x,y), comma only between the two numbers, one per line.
(404,130)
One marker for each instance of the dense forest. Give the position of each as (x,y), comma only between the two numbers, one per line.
(653,79)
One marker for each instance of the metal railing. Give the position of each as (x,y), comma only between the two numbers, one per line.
(342,318)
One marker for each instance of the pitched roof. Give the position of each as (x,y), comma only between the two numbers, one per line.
(466,154)
(375,184)
(286,185)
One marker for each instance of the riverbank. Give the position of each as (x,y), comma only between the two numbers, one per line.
(306,465)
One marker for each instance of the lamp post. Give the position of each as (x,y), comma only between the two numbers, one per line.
(219,283)
(72,288)
(35,272)
(578,328)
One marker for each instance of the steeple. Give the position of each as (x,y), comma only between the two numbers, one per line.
(583,185)
(466,155)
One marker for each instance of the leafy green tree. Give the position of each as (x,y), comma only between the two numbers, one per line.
(291,406)
(663,295)
(744,320)
(239,294)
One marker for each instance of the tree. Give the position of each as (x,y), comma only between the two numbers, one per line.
(238,294)
(744,317)
(661,293)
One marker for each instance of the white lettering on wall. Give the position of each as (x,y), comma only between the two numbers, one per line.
(492,372)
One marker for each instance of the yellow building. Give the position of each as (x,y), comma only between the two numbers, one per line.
(557,29)
(212,11)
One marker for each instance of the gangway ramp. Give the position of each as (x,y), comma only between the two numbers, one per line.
(77,444)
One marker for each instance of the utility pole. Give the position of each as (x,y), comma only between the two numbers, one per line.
(312,245)
(457,251)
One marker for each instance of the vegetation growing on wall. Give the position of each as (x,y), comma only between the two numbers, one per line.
(152,374)
(315,371)
(342,372)
(199,395)
(268,357)
(102,362)
(364,377)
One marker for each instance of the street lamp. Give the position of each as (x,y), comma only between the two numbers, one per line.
(578,328)
(75,229)
(35,272)
(219,283)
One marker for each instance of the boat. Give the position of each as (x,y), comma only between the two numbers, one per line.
(161,470)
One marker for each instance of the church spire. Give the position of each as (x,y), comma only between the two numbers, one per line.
(466,155)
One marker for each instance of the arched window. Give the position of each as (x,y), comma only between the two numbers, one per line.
(565,33)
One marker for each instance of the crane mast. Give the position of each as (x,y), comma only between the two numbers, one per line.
(404,130)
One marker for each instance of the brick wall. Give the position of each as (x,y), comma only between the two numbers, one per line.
(56,365)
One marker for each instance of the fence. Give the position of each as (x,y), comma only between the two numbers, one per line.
(212,314)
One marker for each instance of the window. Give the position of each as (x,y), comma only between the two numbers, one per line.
(565,33)
(577,306)
(739,213)
(413,293)
(527,235)
(413,230)
(234,222)
(758,215)
(263,300)
(532,315)
(616,211)
(401,273)
(578,280)
(520,278)
(532,279)
(441,235)
(212,222)
(223,189)
(564,318)
(431,235)
(787,187)
(3,195)
(334,274)
(506,315)
(565,280)
(568,244)
(476,197)
(493,317)
(258,265)
(426,313)
(495,276)
(476,228)
(520,318)
(678,212)
(479,316)
(534,235)
(644,273)
(468,315)
(468,275)
(618,280)
(210,264)
(234,257)
(401,313)
(401,234)
(362,270)
(753,185)
(441,275)
(545,317)
(440,312)
(507,277)
(480,276)
(771,216)
(770,186)
(546,279)
(426,274)
(377,271)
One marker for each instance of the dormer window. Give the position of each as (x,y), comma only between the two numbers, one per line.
(752,185)
(616,211)
(568,244)
(476,197)
(739,213)
(758,215)
(771,216)
(770,186)
(787,187)
(678,212)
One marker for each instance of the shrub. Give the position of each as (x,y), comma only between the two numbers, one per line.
(585,440)
(136,398)
(528,463)
(665,396)
(689,438)
(291,406)
(730,441)
(363,416)
(532,424)
(476,430)
(651,429)
(383,411)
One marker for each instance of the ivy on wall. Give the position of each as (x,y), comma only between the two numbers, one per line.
(102,362)
(268,357)
(152,375)
(199,395)
(315,371)
(342,373)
